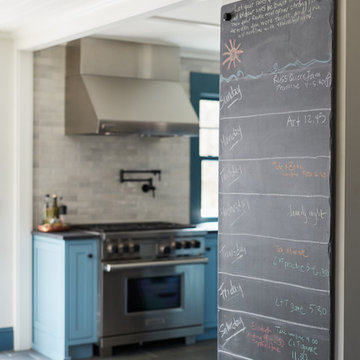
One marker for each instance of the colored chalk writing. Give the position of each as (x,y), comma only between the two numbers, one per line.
(263,337)
(301,252)
(295,168)
(296,266)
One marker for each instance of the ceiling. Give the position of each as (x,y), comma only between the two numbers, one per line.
(194,25)
(36,24)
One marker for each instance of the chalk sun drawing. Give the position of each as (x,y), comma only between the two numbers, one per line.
(232,55)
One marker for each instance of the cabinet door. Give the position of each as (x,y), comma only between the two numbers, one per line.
(48,291)
(81,290)
(211,282)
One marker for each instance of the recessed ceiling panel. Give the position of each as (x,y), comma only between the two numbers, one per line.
(194,36)
(192,24)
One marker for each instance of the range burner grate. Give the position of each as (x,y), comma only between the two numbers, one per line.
(143,226)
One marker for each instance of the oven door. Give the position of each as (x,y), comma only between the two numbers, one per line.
(154,295)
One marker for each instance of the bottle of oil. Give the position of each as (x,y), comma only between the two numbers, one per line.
(62,211)
(46,209)
(53,211)
(55,207)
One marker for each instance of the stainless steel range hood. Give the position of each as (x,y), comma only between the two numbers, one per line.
(115,88)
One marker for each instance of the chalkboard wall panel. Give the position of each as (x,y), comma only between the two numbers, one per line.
(302,263)
(259,337)
(275,92)
(275,179)
(274,136)
(296,217)
(281,301)
(298,175)
(276,33)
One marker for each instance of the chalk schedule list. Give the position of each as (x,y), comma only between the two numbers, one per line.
(275,283)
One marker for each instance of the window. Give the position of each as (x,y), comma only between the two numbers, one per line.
(205,148)
(209,153)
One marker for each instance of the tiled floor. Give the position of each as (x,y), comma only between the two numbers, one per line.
(19,355)
(164,350)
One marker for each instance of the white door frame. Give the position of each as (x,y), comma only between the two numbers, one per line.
(23,193)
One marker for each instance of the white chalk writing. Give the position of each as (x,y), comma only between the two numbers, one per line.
(304,79)
(231,97)
(235,253)
(230,140)
(239,207)
(228,292)
(230,329)
(230,174)
(312,216)
(260,16)
(316,118)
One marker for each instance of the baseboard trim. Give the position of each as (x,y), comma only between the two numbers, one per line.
(6,339)
(209,333)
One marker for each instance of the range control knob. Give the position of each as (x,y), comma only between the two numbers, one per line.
(125,248)
(186,244)
(176,245)
(195,244)
(165,249)
(135,248)
(112,249)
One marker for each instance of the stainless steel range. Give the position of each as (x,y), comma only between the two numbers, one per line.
(152,282)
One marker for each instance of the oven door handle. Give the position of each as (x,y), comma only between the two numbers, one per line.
(140,265)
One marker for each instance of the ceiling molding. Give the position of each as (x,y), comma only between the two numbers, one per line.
(188,53)
(134,40)
(186,22)
(185,53)
(54,31)
(6,35)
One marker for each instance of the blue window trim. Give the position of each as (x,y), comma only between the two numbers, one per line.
(6,339)
(202,86)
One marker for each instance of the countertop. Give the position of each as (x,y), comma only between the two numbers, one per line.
(209,227)
(67,235)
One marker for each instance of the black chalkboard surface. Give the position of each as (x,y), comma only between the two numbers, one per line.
(275,165)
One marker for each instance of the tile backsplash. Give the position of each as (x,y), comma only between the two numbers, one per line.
(84,170)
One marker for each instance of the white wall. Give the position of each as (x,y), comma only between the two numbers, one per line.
(7,134)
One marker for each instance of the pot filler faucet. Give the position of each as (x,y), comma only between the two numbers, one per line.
(148,186)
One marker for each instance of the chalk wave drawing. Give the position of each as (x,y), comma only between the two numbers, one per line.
(275,69)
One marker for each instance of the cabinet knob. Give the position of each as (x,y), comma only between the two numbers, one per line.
(90,256)
(208,248)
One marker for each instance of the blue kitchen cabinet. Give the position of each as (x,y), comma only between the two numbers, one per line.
(210,301)
(65,287)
